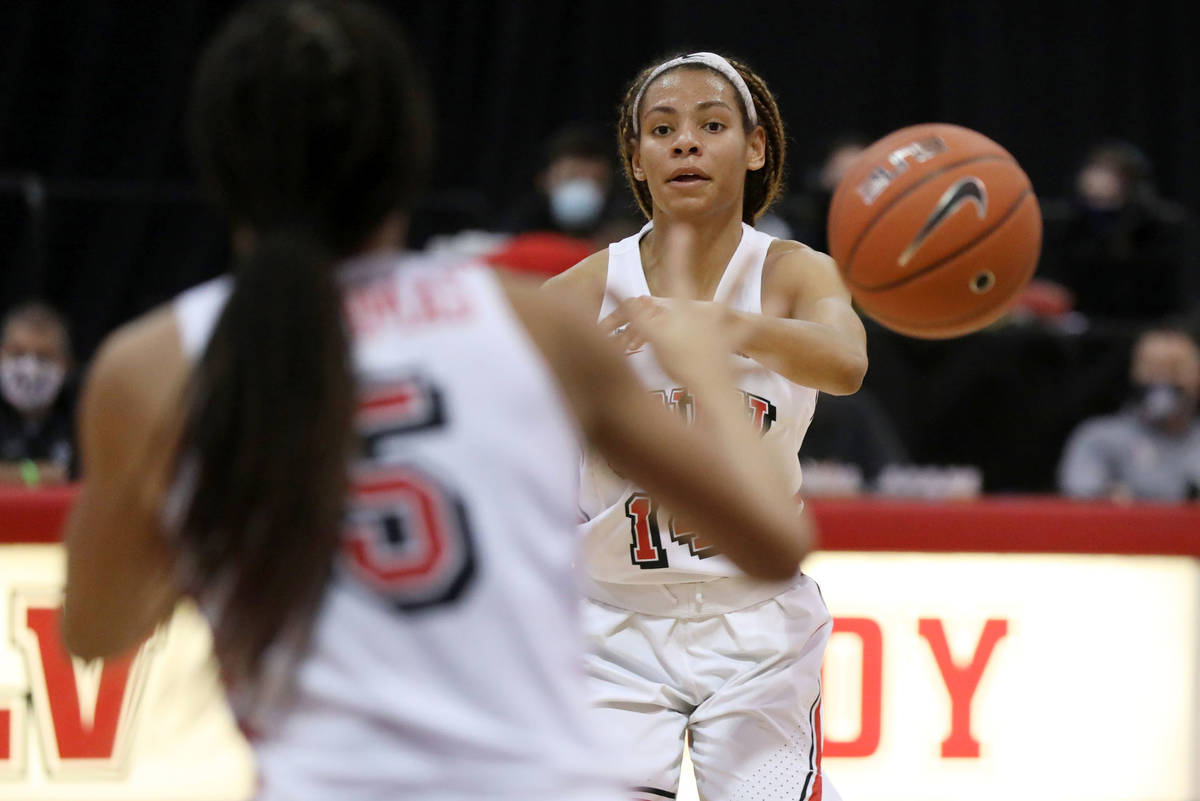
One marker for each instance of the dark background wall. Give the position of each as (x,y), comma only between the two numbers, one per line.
(98,212)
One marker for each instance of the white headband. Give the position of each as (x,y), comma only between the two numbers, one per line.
(713,62)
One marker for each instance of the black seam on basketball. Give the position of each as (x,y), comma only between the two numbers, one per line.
(956,321)
(883,210)
(654,791)
(967,246)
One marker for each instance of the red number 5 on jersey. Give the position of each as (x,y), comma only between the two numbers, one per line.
(407,535)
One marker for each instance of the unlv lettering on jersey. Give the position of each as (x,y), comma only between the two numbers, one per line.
(407,533)
(646,550)
(761,411)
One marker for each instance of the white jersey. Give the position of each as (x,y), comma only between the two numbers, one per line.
(446,661)
(628,538)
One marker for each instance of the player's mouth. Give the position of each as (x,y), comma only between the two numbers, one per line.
(688,175)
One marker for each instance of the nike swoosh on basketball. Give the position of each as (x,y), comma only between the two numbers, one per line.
(962,191)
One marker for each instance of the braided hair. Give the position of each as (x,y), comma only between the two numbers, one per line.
(763,186)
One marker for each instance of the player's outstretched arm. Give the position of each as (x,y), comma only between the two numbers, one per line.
(813,337)
(808,331)
(719,475)
(583,284)
(119,577)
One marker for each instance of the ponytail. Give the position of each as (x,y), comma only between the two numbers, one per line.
(269,427)
(310,124)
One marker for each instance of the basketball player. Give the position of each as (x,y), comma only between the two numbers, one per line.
(420,640)
(682,639)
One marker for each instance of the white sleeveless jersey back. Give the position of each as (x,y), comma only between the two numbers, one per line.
(446,659)
(628,537)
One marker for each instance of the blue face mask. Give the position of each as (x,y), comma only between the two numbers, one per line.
(1158,403)
(576,204)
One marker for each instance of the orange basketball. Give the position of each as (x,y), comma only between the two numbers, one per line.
(936,230)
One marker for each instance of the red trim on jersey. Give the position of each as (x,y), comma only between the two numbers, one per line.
(818,781)
(398,399)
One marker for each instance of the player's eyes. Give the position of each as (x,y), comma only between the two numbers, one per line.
(713,126)
(660,130)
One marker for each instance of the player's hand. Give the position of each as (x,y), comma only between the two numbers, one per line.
(692,339)
(635,319)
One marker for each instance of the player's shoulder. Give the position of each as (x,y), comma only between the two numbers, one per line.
(137,366)
(592,269)
(583,283)
(134,346)
(790,262)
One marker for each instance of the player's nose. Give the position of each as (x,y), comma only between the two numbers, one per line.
(687,142)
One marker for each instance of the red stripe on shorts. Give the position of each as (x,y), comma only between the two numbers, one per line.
(817,781)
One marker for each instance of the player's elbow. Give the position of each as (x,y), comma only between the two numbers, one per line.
(846,374)
(82,640)
(91,629)
(780,558)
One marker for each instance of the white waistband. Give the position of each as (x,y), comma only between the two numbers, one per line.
(689,599)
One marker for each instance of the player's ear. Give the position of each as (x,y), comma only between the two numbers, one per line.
(636,162)
(756,148)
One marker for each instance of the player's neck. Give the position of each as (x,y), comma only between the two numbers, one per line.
(713,245)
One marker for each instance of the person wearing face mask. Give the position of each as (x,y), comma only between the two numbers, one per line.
(571,211)
(1150,450)
(1117,247)
(37,437)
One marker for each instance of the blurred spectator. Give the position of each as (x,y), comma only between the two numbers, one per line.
(1118,247)
(1151,449)
(808,210)
(573,192)
(852,430)
(573,209)
(37,432)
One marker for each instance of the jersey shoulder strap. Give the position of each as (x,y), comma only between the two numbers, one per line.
(197,311)
(626,278)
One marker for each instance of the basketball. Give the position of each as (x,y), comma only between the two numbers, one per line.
(936,229)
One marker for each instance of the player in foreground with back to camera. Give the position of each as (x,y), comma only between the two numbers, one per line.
(683,640)
(361,463)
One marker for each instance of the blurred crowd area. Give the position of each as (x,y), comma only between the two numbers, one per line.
(1088,387)
(100,220)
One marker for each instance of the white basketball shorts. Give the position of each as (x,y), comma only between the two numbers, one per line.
(744,684)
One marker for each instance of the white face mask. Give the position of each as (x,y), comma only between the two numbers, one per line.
(29,383)
(576,203)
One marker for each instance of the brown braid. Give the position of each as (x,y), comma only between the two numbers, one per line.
(762,186)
